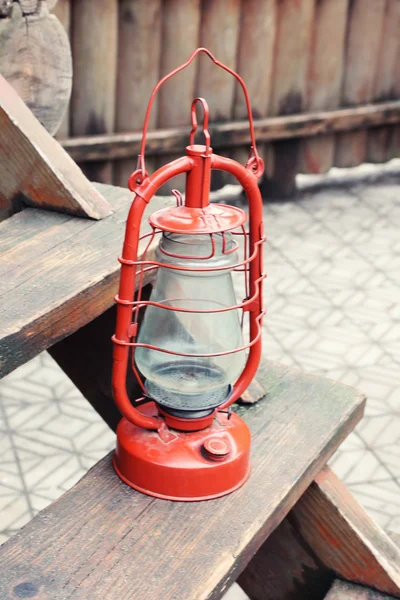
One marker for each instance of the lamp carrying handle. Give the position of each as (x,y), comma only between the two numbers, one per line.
(255,163)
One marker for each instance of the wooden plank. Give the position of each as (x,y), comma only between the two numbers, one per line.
(292,55)
(94,51)
(219,33)
(139,50)
(103,540)
(326,534)
(256,39)
(324,79)
(180,29)
(62,10)
(343,590)
(234,133)
(385,80)
(362,52)
(35,58)
(34,167)
(345,538)
(220,22)
(70,278)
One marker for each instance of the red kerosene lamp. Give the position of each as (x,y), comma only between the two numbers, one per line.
(181,441)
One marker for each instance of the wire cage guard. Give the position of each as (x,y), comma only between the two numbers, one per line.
(194,216)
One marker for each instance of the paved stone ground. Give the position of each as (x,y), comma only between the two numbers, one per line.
(333,297)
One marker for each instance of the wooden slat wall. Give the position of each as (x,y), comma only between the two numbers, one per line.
(139,48)
(94,51)
(257,39)
(324,79)
(220,25)
(385,80)
(62,10)
(289,85)
(364,35)
(295,56)
(180,35)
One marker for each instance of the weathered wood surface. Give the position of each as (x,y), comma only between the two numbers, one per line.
(345,538)
(94,49)
(324,80)
(257,39)
(139,51)
(343,590)
(289,89)
(362,53)
(62,10)
(57,273)
(385,80)
(35,58)
(180,27)
(103,540)
(234,133)
(34,168)
(327,534)
(220,34)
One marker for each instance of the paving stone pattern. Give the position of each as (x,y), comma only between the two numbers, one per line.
(333,297)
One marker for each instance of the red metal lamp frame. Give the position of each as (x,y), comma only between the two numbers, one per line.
(200,217)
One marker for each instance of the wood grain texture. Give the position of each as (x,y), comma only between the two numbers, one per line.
(139,51)
(324,79)
(35,167)
(103,540)
(234,133)
(257,35)
(394,137)
(362,52)
(325,535)
(385,81)
(180,35)
(345,539)
(289,90)
(35,58)
(62,10)
(343,590)
(219,33)
(71,278)
(94,50)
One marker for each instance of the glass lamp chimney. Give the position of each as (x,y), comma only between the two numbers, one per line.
(188,384)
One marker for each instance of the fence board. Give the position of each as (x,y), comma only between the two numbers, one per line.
(394,137)
(362,52)
(255,64)
(94,48)
(292,52)
(180,34)
(62,10)
(235,133)
(220,25)
(324,79)
(139,49)
(378,138)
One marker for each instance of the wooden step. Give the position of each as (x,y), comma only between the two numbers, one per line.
(104,540)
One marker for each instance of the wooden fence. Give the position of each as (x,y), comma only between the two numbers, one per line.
(323,77)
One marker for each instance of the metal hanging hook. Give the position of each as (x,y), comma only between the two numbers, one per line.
(206,115)
(255,163)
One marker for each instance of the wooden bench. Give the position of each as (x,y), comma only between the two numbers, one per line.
(288,533)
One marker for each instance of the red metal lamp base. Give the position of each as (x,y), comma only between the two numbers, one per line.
(184,466)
